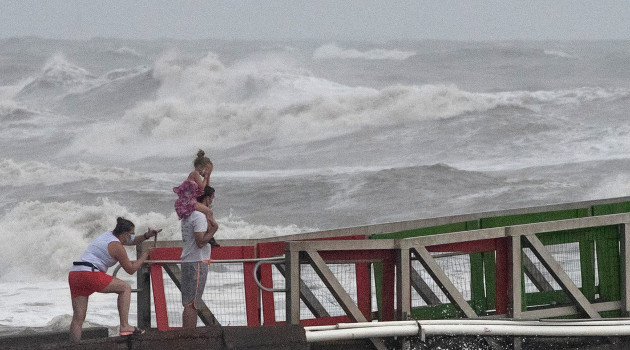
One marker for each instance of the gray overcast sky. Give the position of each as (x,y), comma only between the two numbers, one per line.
(372,20)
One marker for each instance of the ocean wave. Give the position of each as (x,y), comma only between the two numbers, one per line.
(11,111)
(332,51)
(558,53)
(60,78)
(58,232)
(126,51)
(216,106)
(28,173)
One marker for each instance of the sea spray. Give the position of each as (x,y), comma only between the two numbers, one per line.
(304,136)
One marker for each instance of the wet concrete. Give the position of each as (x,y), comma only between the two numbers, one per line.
(280,337)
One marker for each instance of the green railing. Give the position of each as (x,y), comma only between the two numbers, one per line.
(590,254)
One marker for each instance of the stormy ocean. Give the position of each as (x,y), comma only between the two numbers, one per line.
(304,136)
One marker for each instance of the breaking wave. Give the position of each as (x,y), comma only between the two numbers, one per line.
(332,51)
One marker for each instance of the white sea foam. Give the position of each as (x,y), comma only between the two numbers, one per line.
(58,77)
(17,174)
(58,70)
(213,105)
(8,92)
(58,232)
(464,104)
(332,51)
(558,53)
(610,187)
(124,50)
(10,109)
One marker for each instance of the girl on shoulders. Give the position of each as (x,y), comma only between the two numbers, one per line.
(193,187)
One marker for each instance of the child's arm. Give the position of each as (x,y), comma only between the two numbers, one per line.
(198,179)
(206,176)
(202,208)
(208,211)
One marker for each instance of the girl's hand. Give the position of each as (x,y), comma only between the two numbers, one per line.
(207,170)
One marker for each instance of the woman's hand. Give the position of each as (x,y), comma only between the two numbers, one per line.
(147,251)
(152,232)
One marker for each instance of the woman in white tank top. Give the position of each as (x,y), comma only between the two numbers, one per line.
(88,274)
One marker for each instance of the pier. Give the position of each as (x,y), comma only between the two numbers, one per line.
(504,278)
(567,261)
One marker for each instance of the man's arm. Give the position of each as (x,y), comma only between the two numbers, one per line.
(202,238)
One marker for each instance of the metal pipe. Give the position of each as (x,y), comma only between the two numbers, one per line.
(580,322)
(222,261)
(571,328)
(361,333)
(258,283)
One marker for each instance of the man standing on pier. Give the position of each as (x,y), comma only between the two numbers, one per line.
(197,231)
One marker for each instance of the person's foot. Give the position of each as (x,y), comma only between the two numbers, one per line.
(130,331)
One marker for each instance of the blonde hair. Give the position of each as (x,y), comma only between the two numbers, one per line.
(201,159)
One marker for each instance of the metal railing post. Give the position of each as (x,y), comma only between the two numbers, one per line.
(144,293)
(625,268)
(292,265)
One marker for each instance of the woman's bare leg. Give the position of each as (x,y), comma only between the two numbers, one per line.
(123,289)
(79,309)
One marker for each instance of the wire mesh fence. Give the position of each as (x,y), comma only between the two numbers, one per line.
(224,294)
(455,266)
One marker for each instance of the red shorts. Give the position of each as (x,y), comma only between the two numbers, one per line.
(84,283)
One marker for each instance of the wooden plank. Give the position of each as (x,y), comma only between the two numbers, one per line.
(203,311)
(537,278)
(493,272)
(568,310)
(394,227)
(561,277)
(336,289)
(292,263)
(252,295)
(159,298)
(388,289)
(455,237)
(477,285)
(625,268)
(608,263)
(423,289)
(309,299)
(341,245)
(143,281)
(516,269)
(569,224)
(364,288)
(443,281)
(587,268)
(403,285)
(339,293)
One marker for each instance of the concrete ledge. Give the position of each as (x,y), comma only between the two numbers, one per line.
(213,337)
(30,339)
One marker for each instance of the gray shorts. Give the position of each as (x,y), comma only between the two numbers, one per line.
(194,276)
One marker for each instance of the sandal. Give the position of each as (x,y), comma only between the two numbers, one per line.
(136,331)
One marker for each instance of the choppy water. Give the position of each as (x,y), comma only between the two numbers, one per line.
(304,136)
